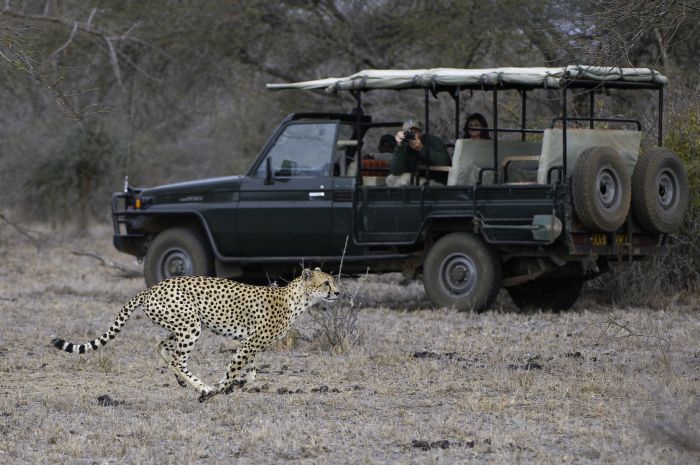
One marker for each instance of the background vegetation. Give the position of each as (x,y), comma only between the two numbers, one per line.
(165,90)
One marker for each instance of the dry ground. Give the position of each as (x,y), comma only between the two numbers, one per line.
(595,385)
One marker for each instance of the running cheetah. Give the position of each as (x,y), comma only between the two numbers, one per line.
(255,315)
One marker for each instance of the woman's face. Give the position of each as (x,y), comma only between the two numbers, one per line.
(474,129)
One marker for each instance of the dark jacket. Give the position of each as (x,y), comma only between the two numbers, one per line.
(407,160)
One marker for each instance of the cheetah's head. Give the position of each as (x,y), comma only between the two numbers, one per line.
(319,286)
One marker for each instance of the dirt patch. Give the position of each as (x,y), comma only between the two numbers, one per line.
(423,384)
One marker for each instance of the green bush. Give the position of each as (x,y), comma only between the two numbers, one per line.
(678,270)
(61,189)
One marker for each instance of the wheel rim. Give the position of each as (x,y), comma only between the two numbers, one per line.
(667,190)
(175,262)
(458,274)
(608,189)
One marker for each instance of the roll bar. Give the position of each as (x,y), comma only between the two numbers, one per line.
(591,86)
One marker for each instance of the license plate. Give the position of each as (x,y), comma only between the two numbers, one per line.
(600,239)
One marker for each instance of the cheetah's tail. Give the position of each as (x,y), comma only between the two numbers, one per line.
(111,333)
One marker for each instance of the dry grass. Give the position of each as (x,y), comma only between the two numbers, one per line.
(596,385)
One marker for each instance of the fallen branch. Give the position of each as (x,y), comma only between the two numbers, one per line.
(37,241)
(612,322)
(126,271)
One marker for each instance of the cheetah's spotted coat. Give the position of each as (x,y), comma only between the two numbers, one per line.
(255,315)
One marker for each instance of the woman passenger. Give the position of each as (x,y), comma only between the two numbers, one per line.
(473,125)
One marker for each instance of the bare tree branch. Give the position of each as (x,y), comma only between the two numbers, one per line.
(67,43)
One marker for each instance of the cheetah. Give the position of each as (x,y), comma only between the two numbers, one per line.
(255,315)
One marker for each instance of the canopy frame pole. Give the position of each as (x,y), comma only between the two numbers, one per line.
(523,115)
(427,136)
(357,94)
(591,107)
(660,141)
(457,95)
(564,123)
(495,135)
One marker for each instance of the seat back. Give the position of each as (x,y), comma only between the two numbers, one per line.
(625,141)
(517,158)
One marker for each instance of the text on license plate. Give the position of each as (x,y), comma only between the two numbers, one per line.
(602,239)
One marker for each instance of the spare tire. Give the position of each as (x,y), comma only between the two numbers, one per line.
(659,191)
(601,189)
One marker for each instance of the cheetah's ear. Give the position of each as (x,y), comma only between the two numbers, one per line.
(306,274)
(317,269)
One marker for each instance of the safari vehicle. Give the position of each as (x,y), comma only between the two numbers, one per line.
(535,210)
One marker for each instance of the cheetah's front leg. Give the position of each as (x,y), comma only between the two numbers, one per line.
(240,359)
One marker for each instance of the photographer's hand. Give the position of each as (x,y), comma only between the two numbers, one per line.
(399,137)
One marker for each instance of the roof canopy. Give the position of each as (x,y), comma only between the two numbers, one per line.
(487,78)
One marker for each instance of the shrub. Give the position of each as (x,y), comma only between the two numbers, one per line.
(62,188)
(645,283)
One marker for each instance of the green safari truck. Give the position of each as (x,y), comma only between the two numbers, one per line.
(534,210)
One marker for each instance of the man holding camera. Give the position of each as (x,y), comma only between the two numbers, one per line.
(411,153)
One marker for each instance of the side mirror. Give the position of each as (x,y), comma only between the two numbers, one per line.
(268,171)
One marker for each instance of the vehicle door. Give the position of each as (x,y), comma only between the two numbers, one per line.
(285,206)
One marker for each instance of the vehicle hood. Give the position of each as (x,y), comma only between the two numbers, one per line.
(200,190)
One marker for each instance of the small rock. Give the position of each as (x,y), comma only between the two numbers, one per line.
(532,366)
(282,390)
(576,354)
(298,391)
(427,445)
(335,390)
(106,401)
(433,355)
(265,387)
(423,445)
(425,354)
(323,389)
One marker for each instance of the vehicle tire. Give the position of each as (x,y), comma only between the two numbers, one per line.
(546,294)
(177,252)
(659,191)
(462,271)
(601,189)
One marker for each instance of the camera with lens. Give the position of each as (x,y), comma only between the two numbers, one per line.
(408,136)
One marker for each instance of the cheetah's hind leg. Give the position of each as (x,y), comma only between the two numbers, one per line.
(166,349)
(248,378)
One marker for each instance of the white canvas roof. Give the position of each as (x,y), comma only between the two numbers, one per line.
(476,78)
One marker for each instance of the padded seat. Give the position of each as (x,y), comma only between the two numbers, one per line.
(516,158)
(625,141)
